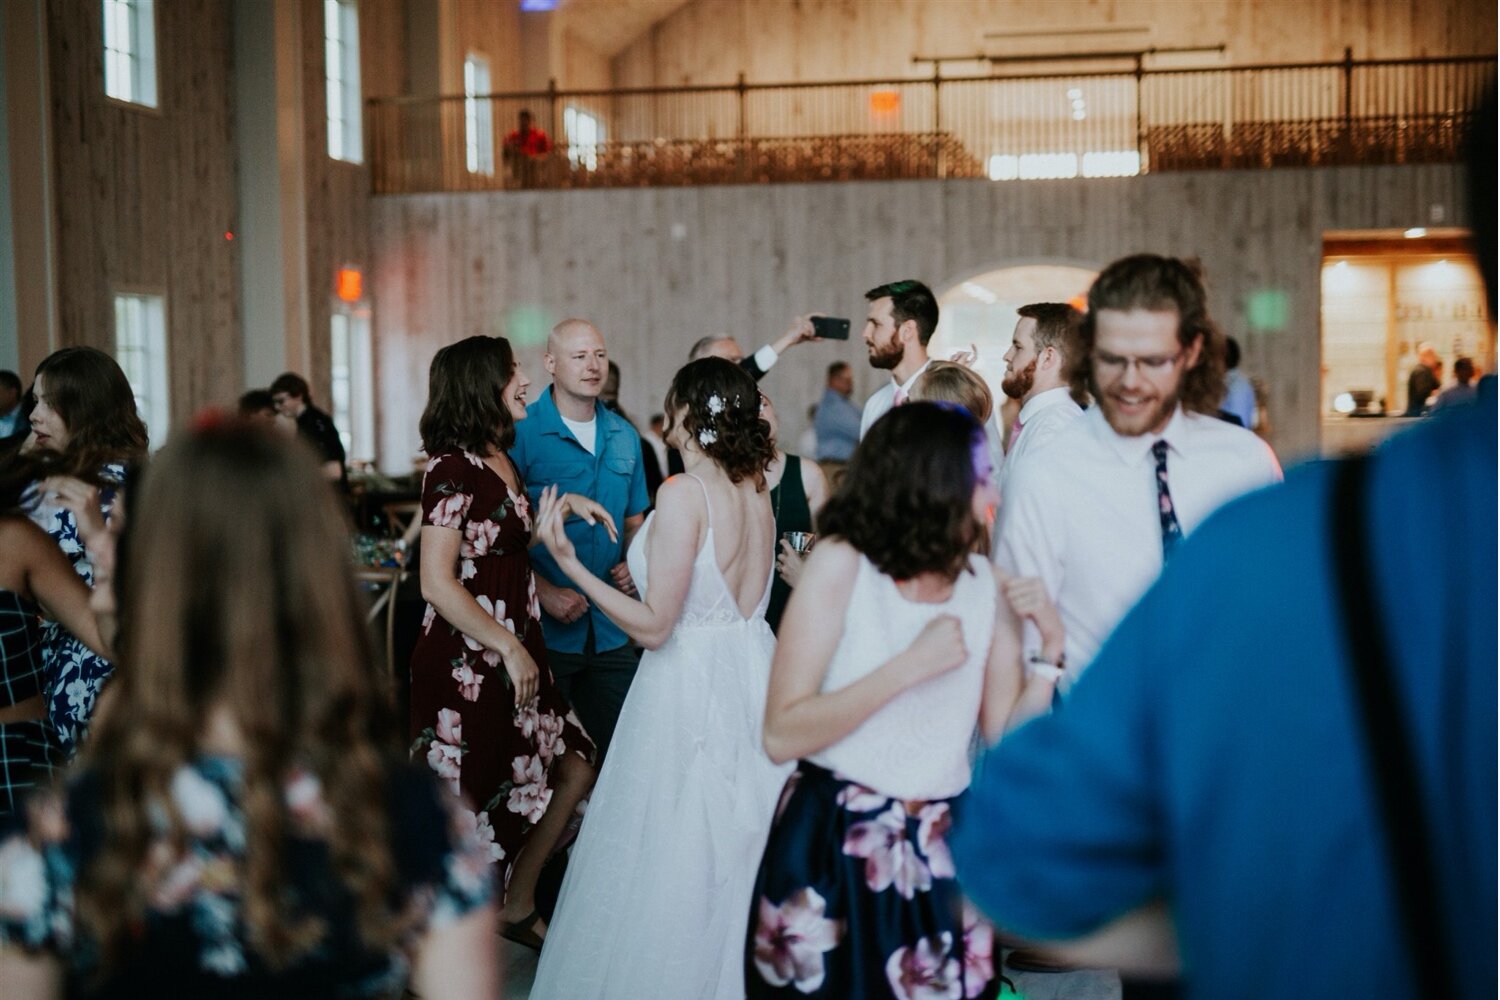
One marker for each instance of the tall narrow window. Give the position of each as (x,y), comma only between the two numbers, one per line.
(584,132)
(341,57)
(141,350)
(130,51)
(479,116)
(353,382)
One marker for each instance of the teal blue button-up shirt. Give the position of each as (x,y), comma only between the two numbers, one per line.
(547,454)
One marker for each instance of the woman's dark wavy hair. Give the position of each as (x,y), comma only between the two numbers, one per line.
(1147,281)
(907,498)
(741,442)
(93,397)
(465,409)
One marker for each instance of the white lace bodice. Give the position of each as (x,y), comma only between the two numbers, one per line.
(709,602)
(917,745)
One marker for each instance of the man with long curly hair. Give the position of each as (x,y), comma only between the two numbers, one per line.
(1099,512)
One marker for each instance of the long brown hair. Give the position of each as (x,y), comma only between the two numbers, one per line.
(236,597)
(93,397)
(465,409)
(1147,281)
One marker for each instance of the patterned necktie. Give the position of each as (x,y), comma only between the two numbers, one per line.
(1015,432)
(1171,531)
(900,397)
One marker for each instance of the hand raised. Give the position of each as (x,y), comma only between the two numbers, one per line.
(591,511)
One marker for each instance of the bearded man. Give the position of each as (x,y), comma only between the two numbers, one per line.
(1038,373)
(902,318)
(1097,513)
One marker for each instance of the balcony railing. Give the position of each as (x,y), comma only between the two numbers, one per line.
(1000,127)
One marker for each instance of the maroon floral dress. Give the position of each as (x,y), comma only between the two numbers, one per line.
(463,715)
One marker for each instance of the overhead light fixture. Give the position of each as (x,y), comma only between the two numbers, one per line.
(1075,93)
(1415,233)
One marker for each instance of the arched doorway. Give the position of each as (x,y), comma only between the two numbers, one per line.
(979,311)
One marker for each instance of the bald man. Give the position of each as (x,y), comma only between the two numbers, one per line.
(572,441)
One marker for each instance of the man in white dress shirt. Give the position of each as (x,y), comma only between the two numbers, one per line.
(1097,513)
(901,320)
(1038,371)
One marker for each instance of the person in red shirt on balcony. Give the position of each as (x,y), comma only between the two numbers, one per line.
(524,145)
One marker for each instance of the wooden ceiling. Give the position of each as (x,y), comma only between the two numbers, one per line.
(610,25)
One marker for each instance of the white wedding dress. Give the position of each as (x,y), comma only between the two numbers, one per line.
(656,900)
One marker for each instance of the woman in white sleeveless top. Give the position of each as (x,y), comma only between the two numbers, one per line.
(657,891)
(896,643)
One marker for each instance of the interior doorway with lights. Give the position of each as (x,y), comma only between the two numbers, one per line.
(1384,294)
(979,312)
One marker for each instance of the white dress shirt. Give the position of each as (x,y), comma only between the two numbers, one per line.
(884,398)
(1083,514)
(1044,416)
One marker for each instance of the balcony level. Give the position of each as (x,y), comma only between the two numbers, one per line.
(1000,127)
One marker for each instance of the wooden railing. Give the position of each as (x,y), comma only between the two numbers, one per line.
(1001,127)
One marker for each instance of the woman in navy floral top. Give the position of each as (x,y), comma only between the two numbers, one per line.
(241,822)
(85,412)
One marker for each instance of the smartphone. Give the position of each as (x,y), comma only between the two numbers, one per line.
(830,327)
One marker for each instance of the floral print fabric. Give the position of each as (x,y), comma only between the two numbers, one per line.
(75,674)
(194,937)
(464,721)
(856,898)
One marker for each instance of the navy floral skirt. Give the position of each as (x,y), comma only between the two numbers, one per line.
(856,899)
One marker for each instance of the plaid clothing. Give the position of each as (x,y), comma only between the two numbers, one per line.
(25,747)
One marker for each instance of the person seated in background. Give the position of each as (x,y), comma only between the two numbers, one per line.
(1462,391)
(258,404)
(242,821)
(837,417)
(293,400)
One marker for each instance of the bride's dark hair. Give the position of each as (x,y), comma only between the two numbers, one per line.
(720,407)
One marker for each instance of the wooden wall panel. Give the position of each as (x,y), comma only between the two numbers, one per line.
(710,41)
(658,268)
(144,197)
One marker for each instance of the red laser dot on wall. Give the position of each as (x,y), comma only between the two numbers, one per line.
(228,235)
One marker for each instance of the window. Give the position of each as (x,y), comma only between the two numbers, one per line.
(341,56)
(353,382)
(141,350)
(479,116)
(130,51)
(584,133)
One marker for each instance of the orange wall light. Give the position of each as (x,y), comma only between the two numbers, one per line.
(349,284)
(885,102)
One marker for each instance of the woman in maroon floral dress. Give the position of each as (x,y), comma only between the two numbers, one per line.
(484,710)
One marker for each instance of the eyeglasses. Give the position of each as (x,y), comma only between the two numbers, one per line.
(1113,366)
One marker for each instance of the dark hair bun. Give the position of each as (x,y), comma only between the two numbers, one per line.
(721,412)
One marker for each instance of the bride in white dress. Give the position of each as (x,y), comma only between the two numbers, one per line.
(656,898)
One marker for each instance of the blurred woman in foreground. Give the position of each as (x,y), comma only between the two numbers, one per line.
(241,823)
